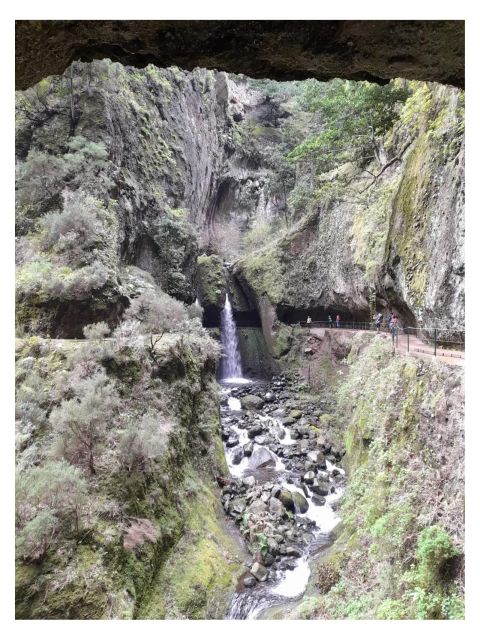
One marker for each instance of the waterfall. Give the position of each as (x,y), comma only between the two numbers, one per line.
(231,362)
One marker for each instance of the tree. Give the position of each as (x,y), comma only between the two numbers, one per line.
(81,423)
(354,118)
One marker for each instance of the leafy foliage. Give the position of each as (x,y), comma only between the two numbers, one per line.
(81,423)
(157,312)
(354,117)
(48,498)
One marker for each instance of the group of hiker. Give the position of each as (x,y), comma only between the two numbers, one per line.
(391,322)
(331,324)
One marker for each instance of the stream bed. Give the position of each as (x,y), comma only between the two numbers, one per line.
(283,491)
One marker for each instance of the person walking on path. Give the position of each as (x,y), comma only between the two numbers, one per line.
(338,321)
(330,322)
(394,327)
(378,321)
(309,321)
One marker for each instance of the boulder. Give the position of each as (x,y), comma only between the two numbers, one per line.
(288,421)
(292,551)
(276,507)
(319,501)
(249,581)
(316,457)
(286,499)
(261,458)
(258,506)
(249,481)
(252,402)
(237,456)
(309,477)
(259,571)
(296,414)
(269,397)
(320,488)
(255,430)
(248,449)
(300,502)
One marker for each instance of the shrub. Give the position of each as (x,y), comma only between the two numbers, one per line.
(81,424)
(96,331)
(141,443)
(257,237)
(83,224)
(156,312)
(434,549)
(48,499)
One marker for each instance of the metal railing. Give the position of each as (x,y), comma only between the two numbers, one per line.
(438,338)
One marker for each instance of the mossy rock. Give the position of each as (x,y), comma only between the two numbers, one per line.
(211,287)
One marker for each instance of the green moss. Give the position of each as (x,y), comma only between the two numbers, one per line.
(211,281)
(282,338)
(199,574)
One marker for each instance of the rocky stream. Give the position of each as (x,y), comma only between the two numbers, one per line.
(283,492)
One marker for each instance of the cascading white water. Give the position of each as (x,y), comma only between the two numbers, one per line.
(231,362)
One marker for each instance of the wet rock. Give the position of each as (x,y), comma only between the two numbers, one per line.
(276,489)
(309,477)
(286,499)
(318,500)
(268,560)
(261,458)
(316,457)
(259,571)
(321,488)
(249,481)
(301,504)
(252,402)
(249,581)
(278,413)
(232,441)
(237,456)
(248,449)
(269,397)
(292,551)
(255,430)
(287,422)
(296,414)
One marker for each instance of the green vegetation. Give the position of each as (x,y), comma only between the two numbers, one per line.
(354,117)
(211,281)
(398,555)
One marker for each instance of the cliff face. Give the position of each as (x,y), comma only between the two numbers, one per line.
(396,240)
(160,140)
(195,160)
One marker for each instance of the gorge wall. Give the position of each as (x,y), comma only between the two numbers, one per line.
(189,163)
